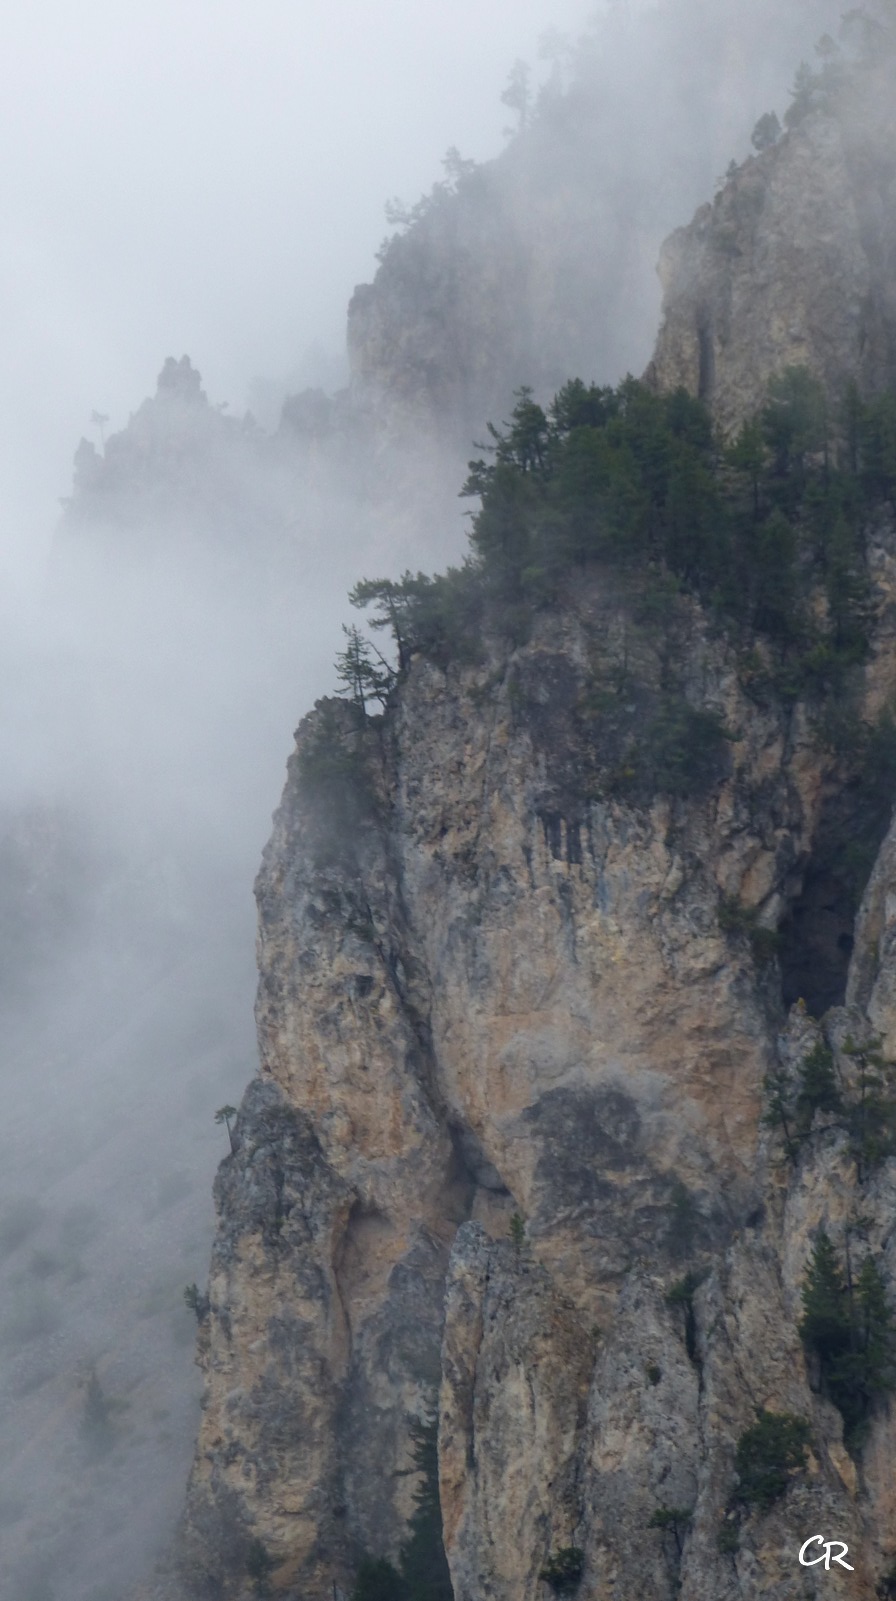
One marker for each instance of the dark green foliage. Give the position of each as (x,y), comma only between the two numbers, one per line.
(674,1521)
(865,1108)
(682,751)
(423,1564)
(563,1571)
(819,1088)
(735,918)
(259,1566)
(877,444)
(362,672)
(767,1455)
(682,1295)
(518,1231)
(336,785)
(768,532)
(654,1373)
(871,1113)
(634,478)
(849,1327)
(779,1110)
(886,1584)
(378,1580)
(728,1538)
(825,1324)
(438,616)
(683,1217)
(197,1302)
(226,1115)
(795,420)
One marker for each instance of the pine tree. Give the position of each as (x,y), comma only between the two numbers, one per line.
(872,1115)
(850,1328)
(361,676)
(825,1321)
(779,1112)
(819,1090)
(423,1564)
(378,1580)
(875,1321)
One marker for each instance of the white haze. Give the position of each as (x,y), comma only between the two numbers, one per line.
(208,178)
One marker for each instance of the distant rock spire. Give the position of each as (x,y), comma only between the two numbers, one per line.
(181,379)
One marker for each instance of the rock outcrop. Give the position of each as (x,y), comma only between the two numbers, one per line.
(539,265)
(508,1160)
(486,990)
(794,263)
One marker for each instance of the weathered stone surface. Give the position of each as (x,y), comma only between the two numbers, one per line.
(489,984)
(792,264)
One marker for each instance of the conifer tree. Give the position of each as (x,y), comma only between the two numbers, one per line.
(819,1090)
(825,1323)
(423,1564)
(872,1115)
(362,677)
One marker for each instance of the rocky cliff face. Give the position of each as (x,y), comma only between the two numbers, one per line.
(487,990)
(539,265)
(794,263)
(492,989)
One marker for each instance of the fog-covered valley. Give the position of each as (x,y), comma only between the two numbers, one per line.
(161,642)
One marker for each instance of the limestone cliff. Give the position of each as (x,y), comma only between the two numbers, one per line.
(494,989)
(539,264)
(485,990)
(794,263)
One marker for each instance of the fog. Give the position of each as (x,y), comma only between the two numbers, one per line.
(211,180)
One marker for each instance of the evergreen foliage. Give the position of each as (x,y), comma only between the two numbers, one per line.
(423,1564)
(871,1114)
(728,1538)
(767,1454)
(682,1295)
(378,1580)
(422,1573)
(779,1112)
(259,1566)
(639,480)
(336,782)
(226,1115)
(674,1521)
(768,530)
(197,1303)
(563,1571)
(819,1089)
(362,672)
(849,1326)
(864,1107)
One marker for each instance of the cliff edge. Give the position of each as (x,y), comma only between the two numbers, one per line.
(575,1016)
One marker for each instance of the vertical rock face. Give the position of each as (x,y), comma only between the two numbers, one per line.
(507,1160)
(539,265)
(485,990)
(794,263)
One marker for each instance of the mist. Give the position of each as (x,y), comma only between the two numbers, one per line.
(213,183)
